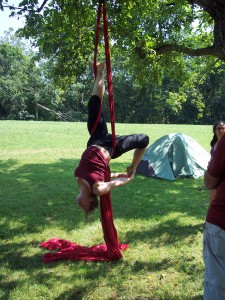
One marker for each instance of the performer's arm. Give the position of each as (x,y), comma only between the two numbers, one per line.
(118,175)
(102,188)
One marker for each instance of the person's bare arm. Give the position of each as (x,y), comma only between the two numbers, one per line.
(119,175)
(212,194)
(211,182)
(102,188)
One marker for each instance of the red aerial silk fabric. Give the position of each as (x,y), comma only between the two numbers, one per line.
(103,9)
(111,249)
(103,252)
(109,75)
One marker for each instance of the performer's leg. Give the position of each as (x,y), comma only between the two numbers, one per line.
(136,142)
(97,126)
(99,87)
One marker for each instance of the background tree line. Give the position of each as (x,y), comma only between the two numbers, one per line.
(167,58)
(28,91)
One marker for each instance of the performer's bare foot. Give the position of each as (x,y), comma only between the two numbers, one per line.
(99,87)
(100,67)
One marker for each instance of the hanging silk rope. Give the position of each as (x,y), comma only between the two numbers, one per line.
(97,34)
(102,10)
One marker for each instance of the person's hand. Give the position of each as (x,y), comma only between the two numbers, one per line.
(123,180)
(130,171)
(132,175)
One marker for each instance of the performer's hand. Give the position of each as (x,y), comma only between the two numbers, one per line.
(130,171)
(132,175)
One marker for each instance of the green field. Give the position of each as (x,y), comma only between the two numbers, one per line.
(160,220)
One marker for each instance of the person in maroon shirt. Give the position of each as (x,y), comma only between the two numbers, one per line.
(218,131)
(92,173)
(214,235)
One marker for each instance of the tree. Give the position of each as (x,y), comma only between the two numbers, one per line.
(163,53)
(22,84)
(12,77)
(149,33)
(214,95)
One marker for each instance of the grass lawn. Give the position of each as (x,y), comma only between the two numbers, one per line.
(160,220)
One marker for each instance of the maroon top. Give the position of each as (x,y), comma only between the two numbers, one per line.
(93,166)
(216,168)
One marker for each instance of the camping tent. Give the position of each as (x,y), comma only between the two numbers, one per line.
(174,155)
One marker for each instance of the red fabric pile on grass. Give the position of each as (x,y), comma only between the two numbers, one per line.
(104,252)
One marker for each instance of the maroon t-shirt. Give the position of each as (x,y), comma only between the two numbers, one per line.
(93,166)
(216,168)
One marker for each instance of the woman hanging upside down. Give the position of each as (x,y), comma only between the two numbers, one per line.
(93,169)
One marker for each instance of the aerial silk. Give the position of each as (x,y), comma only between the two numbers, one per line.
(102,9)
(111,249)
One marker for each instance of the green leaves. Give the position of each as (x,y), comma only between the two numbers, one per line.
(175,101)
(137,29)
(163,50)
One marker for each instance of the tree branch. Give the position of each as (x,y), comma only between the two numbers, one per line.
(59,114)
(6,5)
(42,6)
(208,51)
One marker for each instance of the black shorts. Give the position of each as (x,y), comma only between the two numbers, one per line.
(99,134)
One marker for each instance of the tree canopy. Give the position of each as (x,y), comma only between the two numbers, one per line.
(27,92)
(153,35)
(167,59)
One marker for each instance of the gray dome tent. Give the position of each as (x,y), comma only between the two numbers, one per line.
(174,155)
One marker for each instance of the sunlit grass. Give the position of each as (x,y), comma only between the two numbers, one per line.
(160,220)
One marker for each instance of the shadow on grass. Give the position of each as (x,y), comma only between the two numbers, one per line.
(34,196)
(39,194)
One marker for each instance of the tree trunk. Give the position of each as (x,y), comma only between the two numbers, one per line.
(36,112)
(216,10)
